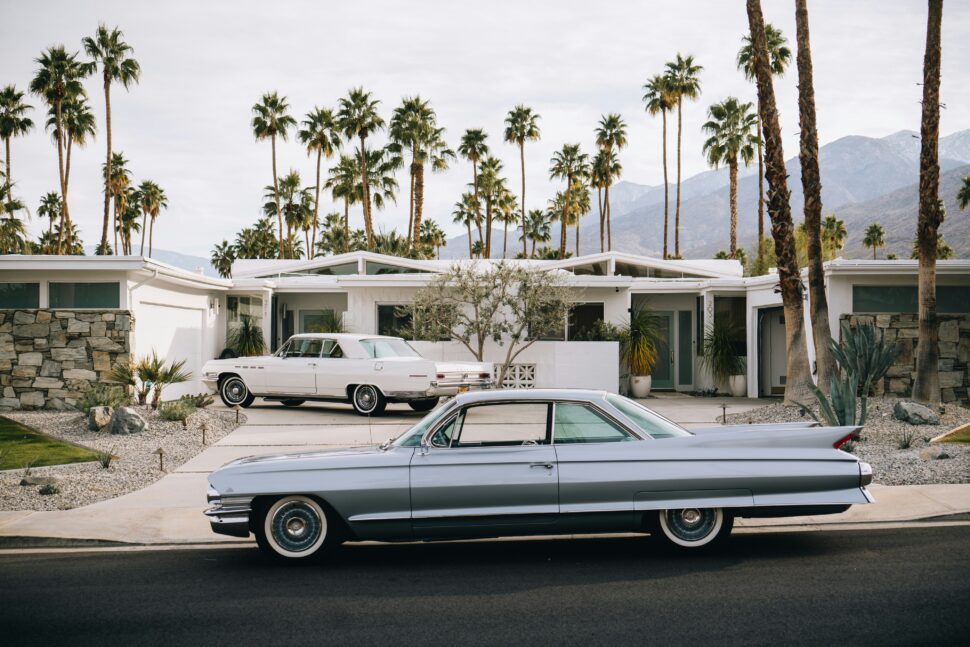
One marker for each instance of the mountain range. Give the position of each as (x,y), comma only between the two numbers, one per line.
(864,180)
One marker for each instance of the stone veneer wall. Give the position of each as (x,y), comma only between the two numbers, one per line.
(48,358)
(954,352)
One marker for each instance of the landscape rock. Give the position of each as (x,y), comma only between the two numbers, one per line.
(38,480)
(915,414)
(126,420)
(933,453)
(99,418)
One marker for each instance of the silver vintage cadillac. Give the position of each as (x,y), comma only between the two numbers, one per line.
(497,463)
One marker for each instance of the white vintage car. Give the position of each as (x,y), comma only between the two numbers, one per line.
(366,370)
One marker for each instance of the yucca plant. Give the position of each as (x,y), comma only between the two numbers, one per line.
(246,340)
(719,354)
(638,341)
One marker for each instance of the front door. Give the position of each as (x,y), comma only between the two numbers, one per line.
(663,368)
(491,470)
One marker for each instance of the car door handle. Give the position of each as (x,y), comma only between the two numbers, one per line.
(548,466)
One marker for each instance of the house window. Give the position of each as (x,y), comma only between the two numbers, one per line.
(582,320)
(384,268)
(19,295)
(242,307)
(84,295)
(392,320)
(950,299)
(731,310)
(336,270)
(316,320)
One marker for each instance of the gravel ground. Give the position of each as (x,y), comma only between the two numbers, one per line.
(879,444)
(135,465)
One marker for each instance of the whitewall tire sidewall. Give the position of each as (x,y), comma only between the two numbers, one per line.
(282,551)
(673,538)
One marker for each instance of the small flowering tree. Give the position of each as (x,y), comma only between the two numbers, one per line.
(471,304)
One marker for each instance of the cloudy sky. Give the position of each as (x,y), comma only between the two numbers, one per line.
(187,124)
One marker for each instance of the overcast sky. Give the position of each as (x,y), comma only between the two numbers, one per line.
(187,124)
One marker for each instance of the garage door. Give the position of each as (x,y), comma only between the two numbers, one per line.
(175,334)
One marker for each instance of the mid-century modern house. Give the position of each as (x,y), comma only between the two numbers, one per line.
(65,320)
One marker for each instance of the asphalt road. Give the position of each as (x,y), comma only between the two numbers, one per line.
(902,586)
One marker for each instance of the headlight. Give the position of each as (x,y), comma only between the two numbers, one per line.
(211,494)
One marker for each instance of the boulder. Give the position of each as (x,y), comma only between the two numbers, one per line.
(915,414)
(933,453)
(99,418)
(125,420)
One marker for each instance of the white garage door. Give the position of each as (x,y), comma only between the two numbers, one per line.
(175,334)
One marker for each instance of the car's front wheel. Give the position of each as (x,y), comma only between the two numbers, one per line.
(293,527)
(423,405)
(234,392)
(694,527)
(368,400)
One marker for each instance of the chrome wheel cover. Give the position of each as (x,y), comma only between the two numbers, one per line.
(692,526)
(365,398)
(296,527)
(234,390)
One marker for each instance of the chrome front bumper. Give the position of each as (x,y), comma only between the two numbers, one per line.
(229,515)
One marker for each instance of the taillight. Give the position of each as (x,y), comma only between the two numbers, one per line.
(841,441)
(484,376)
(441,376)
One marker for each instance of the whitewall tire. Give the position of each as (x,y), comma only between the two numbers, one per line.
(294,527)
(368,400)
(694,527)
(234,392)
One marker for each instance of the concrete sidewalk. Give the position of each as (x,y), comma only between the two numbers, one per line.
(170,510)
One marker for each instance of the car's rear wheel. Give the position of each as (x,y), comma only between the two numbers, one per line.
(423,405)
(234,392)
(368,400)
(694,527)
(292,402)
(293,527)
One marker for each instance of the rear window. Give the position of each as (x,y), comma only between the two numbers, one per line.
(652,423)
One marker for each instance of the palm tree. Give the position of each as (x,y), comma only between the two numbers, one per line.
(963,195)
(433,236)
(14,122)
(271,119)
(342,185)
(538,229)
(660,97)
(50,208)
(610,136)
(319,135)
(382,166)
(357,117)
(926,385)
(223,256)
(473,148)
(290,194)
(597,179)
(833,234)
(779,56)
(108,48)
(570,164)
(732,136)
(128,217)
(79,124)
(874,238)
(118,183)
(508,215)
(779,210)
(491,186)
(151,200)
(465,213)
(57,79)
(521,125)
(682,76)
(414,127)
(331,235)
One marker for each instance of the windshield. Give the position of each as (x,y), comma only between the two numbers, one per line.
(387,347)
(652,423)
(412,437)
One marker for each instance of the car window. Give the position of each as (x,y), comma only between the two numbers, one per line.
(302,347)
(380,348)
(577,423)
(507,423)
(332,349)
(653,424)
(442,437)
(412,437)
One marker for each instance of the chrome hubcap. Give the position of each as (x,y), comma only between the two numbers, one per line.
(692,524)
(296,526)
(234,390)
(366,397)
(691,516)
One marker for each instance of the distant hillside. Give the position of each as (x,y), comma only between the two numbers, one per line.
(183,261)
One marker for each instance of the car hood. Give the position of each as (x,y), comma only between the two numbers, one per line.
(290,457)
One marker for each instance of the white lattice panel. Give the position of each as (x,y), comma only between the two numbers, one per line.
(520,376)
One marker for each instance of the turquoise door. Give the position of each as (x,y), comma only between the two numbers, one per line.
(663,368)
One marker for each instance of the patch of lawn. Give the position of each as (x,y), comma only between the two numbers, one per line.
(960,435)
(20,445)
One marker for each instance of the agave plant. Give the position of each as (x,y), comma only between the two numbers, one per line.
(246,340)
(841,410)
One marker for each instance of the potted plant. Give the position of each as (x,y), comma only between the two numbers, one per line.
(720,358)
(638,348)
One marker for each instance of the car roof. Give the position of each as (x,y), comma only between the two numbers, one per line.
(529,394)
(339,335)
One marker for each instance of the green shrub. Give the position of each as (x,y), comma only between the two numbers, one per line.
(176,410)
(103,395)
(906,439)
(48,489)
(105,458)
(199,401)
(599,331)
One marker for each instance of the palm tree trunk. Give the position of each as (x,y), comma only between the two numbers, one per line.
(761,192)
(418,204)
(680,127)
(663,114)
(521,165)
(468,223)
(926,385)
(599,204)
(114,222)
(798,374)
(533,248)
(812,189)
(577,234)
(107,177)
(368,223)
(874,247)
(60,171)
(733,175)
(346,224)
(487,249)
(6,143)
(151,233)
(312,252)
(144,226)
(306,241)
(505,239)
(609,218)
(478,208)
(276,198)
(411,201)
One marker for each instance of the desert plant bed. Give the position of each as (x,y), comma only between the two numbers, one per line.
(134,462)
(892,446)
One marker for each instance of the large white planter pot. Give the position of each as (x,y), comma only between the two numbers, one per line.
(738,385)
(640,385)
